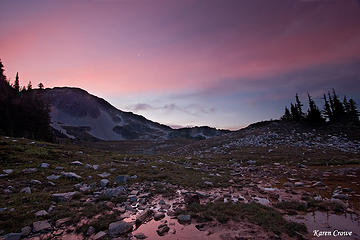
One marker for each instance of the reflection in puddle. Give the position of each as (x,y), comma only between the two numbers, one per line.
(325,221)
(177,230)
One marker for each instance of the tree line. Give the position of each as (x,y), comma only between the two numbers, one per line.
(334,110)
(22,112)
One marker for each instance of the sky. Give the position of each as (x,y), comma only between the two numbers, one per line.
(220,63)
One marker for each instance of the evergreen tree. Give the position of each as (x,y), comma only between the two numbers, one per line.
(287,115)
(314,115)
(339,111)
(29,86)
(353,111)
(17,83)
(41,86)
(294,112)
(299,106)
(2,70)
(346,105)
(327,109)
(331,104)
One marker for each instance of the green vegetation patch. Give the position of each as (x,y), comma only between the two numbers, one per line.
(266,217)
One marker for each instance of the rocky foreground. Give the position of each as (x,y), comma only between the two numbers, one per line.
(52,191)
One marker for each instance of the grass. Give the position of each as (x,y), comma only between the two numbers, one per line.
(266,217)
(291,205)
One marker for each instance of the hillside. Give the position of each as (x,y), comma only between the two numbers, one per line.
(77,114)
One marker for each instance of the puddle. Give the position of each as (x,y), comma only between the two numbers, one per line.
(325,221)
(177,230)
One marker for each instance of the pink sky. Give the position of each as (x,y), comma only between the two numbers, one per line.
(136,48)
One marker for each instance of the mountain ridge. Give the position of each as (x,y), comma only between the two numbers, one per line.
(77,114)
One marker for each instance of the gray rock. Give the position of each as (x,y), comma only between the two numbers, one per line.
(104,174)
(29,170)
(99,236)
(59,168)
(208,183)
(113,192)
(41,226)
(140,236)
(122,179)
(341,196)
(251,162)
(41,213)
(26,190)
(288,184)
(44,165)
(104,182)
(34,181)
(63,196)
(95,167)
(318,184)
(184,218)
(12,236)
(8,171)
(132,198)
(119,227)
(158,216)
(90,231)
(162,229)
(299,184)
(77,163)
(142,217)
(53,177)
(25,231)
(62,221)
(70,175)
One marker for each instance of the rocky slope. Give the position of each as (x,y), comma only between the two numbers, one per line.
(77,114)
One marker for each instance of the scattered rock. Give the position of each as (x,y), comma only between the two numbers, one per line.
(41,226)
(29,170)
(26,190)
(70,175)
(25,231)
(34,181)
(113,192)
(158,216)
(251,162)
(12,236)
(340,196)
(8,171)
(104,174)
(122,179)
(62,221)
(41,213)
(184,218)
(208,183)
(99,236)
(318,184)
(162,229)
(104,182)
(288,184)
(140,236)
(142,217)
(53,177)
(77,163)
(90,231)
(44,165)
(299,184)
(119,227)
(63,196)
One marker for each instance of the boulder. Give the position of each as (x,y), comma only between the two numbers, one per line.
(119,227)
(184,218)
(41,226)
(63,196)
